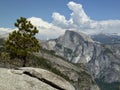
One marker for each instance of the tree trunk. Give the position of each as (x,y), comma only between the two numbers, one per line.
(24,61)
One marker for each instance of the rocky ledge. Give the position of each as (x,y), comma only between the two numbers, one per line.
(29,78)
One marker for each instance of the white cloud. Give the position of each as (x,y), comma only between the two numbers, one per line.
(60,21)
(38,22)
(78,15)
(78,21)
(46,30)
(110,26)
(4,32)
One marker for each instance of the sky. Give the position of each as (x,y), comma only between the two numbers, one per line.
(54,17)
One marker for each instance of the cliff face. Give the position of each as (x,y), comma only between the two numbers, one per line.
(103,61)
(76,47)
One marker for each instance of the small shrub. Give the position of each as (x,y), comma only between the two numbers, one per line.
(107,51)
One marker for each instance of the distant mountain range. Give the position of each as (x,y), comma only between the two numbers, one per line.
(107,38)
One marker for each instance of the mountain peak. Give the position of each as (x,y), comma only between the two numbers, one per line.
(80,35)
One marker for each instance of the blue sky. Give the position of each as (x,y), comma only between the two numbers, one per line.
(53,17)
(95,9)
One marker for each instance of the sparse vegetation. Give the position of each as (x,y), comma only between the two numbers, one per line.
(52,52)
(34,61)
(48,51)
(59,46)
(45,64)
(107,50)
(67,50)
(1,41)
(108,86)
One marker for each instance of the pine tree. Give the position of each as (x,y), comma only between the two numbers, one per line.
(22,42)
